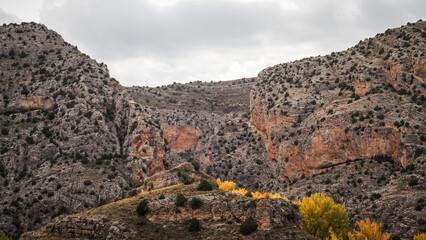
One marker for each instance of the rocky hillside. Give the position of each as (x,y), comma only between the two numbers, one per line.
(72,138)
(324,111)
(220,216)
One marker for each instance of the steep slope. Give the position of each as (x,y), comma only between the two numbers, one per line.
(70,139)
(366,101)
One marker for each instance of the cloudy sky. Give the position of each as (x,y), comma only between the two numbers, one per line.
(158,42)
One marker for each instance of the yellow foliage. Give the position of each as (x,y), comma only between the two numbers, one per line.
(230,187)
(241,191)
(370,231)
(420,236)
(268,195)
(320,213)
(226,185)
(332,235)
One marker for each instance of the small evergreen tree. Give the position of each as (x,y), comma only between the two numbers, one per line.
(180,200)
(248,226)
(195,203)
(142,208)
(194,226)
(205,185)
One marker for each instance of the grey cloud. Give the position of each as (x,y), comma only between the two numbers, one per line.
(8,18)
(145,44)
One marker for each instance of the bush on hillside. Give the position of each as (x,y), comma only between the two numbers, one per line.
(248,226)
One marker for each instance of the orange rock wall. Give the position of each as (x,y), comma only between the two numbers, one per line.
(147,145)
(37,102)
(181,138)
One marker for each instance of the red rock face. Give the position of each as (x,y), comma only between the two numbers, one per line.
(37,102)
(327,146)
(419,69)
(148,146)
(330,147)
(360,87)
(264,123)
(181,138)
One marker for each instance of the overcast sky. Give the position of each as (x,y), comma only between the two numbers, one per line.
(158,42)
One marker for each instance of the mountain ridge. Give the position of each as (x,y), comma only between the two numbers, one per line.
(74,138)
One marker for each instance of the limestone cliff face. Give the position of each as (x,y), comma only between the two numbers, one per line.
(148,146)
(181,138)
(324,111)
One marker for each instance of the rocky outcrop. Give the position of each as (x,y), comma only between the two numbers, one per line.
(181,138)
(269,213)
(148,146)
(90,227)
(220,216)
(176,175)
(419,69)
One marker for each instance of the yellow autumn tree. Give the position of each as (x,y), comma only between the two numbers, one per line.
(226,185)
(420,236)
(320,213)
(369,230)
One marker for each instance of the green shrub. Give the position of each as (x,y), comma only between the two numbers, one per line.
(194,226)
(161,197)
(133,193)
(413,181)
(29,140)
(420,204)
(195,203)
(248,226)
(205,186)
(87,182)
(187,180)
(5,131)
(142,208)
(196,165)
(375,196)
(180,200)
(249,194)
